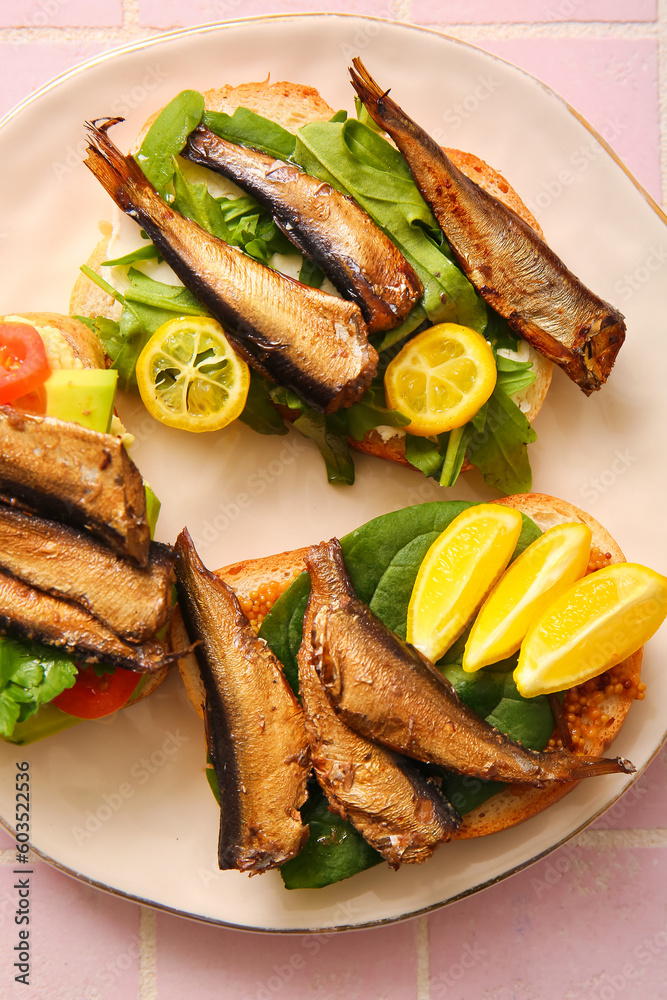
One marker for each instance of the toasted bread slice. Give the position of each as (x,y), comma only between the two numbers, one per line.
(515,803)
(68,342)
(293,105)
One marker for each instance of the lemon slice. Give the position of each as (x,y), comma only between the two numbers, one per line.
(189,377)
(441,378)
(457,573)
(595,624)
(534,580)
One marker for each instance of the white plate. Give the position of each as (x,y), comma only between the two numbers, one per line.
(124,803)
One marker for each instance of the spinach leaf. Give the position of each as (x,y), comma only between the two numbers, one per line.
(250,129)
(499,449)
(330,435)
(259,412)
(514,376)
(382,558)
(356,160)
(30,675)
(167,136)
(334,849)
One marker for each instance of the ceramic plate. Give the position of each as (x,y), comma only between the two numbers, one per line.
(124,803)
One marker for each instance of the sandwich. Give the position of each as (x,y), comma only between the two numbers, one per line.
(228,182)
(300,667)
(84,591)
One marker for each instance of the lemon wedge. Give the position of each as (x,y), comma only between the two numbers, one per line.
(189,377)
(595,624)
(457,573)
(441,378)
(534,580)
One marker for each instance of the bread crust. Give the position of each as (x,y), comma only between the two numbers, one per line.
(514,804)
(293,105)
(82,341)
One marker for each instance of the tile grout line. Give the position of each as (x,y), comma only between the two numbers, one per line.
(147,955)
(423,946)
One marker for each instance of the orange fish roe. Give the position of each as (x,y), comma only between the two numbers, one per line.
(258,603)
(582,705)
(598,560)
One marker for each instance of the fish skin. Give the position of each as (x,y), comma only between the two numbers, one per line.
(76,475)
(325,225)
(299,337)
(131,600)
(507,262)
(28,613)
(397,810)
(387,691)
(254,724)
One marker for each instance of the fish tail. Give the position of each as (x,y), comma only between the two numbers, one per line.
(120,175)
(382,109)
(594,767)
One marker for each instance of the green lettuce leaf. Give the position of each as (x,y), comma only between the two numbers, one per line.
(30,675)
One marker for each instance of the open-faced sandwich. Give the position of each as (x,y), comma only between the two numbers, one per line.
(399,301)
(84,591)
(444,671)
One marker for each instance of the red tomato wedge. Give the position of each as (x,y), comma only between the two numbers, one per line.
(93,697)
(23,363)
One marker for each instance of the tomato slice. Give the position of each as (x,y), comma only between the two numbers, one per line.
(93,697)
(23,363)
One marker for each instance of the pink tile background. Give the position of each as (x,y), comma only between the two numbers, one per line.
(25,67)
(612,82)
(170,13)
(60,13)
(572,926)
(442,12)
(85,944)
(587,923)
(325,966)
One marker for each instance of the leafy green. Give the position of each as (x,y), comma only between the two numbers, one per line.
(371,412)
(259,412)
(30,675)
(330,435)
(253,130)
(382,558)
(356,160)
(334,849)
(498,449)
(514,376)
(149,252)
(167,136)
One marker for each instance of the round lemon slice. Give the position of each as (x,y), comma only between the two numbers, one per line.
(595,624)
(441,378)
(534,580)
(457,573)
(189,377)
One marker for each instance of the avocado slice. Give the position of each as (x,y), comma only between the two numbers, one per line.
(82,396)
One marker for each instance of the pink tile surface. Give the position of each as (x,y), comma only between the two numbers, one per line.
(587,923)
(442,12)
(84,944)
(612,82)
(580,924)
(172,13)
(644,805)
(25,68)
(60,13)
(194,960)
